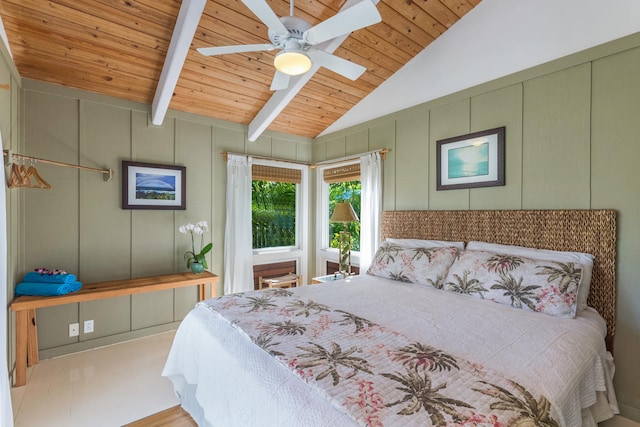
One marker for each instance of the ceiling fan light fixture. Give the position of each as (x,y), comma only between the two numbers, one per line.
(292,63)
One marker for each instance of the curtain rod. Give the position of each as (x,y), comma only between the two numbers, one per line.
(226,154)
(9,154)
(383,153)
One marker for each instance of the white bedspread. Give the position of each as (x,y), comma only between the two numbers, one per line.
(238,384)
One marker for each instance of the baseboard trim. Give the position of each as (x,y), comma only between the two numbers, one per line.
(629,413)
(104,341)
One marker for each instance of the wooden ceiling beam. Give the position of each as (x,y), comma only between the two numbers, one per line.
(185,27)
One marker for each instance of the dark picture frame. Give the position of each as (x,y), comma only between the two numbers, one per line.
(153,186)
(473,160)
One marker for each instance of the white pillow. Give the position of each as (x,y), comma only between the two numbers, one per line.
(417,243)
(546,255)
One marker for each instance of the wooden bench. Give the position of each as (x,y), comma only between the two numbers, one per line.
(25,307)
(273,269)
(279,282)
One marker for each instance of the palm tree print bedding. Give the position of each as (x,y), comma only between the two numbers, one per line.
(375,375)
(427,266)
(549,287)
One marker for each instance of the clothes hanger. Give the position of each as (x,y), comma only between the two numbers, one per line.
(17,178)
(21,177)
(40,183)
(25,175)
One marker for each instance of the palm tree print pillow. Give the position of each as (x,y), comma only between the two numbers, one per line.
(545,254)
(549,287)
(426,266)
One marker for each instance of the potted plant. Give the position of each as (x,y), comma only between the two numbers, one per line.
(197,262)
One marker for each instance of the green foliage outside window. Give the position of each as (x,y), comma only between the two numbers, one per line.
(348,191)
(273,211)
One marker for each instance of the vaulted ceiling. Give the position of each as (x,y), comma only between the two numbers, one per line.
(118,48)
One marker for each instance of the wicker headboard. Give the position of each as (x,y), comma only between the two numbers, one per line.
(590,231)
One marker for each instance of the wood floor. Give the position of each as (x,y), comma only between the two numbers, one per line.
(174,417)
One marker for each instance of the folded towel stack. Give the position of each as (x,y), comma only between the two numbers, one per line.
(49,278)
(46,289)
(44,284)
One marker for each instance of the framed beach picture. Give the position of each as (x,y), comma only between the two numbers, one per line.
(153,186)
(471,161)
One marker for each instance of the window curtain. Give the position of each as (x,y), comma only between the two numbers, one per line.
(370,207)
(238,252)
(6,412)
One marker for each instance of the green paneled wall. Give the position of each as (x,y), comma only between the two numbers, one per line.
(106,231)
(412,154)
(80,227)
(445,121)
(615,150)
(502,107)
(572,142)
(192,138)
(556,129)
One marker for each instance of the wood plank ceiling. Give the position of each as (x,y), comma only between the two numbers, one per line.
(117,48)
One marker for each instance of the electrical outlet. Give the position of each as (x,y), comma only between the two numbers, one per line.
(74,329)
(88,326)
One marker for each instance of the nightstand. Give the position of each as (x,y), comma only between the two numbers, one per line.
(329,278)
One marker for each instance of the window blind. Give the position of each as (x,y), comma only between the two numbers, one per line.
(276,174)
(342,173)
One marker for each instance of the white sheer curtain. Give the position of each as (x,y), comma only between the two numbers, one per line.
(370,207)
(6,413)
(238,251)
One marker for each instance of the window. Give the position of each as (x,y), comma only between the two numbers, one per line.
(273,214)
(348,176)
(275,201)
(348,191)
(343,185)
(337,183)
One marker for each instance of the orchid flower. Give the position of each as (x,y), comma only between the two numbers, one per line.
(198,229)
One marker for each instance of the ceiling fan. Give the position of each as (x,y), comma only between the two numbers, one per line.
(296,39)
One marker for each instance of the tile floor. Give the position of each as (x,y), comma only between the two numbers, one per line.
(109,386)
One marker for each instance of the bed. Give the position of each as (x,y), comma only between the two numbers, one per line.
(416,343)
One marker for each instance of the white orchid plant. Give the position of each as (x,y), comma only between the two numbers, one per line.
(197,229)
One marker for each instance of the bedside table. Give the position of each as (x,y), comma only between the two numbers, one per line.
(329,278)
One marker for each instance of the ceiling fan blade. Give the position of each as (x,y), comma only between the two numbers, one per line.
(357,16)
(280,81)
(346,68)
(220,50)
(261,9)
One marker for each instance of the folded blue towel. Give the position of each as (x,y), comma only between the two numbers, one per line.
(49,278)
(75,286)
(42,289)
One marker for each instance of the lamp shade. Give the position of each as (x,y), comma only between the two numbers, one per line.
(292,63)
(343,212)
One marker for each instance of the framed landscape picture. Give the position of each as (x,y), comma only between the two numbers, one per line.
(153,186)
(471,161)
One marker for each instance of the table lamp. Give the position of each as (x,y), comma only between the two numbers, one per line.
(344,213)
